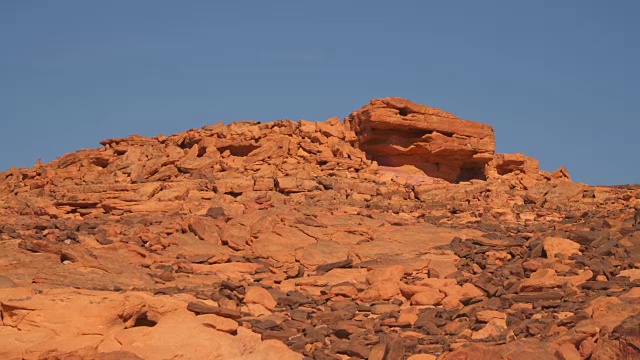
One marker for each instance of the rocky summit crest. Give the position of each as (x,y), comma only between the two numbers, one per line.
(395,233)
(377,144)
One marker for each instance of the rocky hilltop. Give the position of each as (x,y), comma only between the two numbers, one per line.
(395,233)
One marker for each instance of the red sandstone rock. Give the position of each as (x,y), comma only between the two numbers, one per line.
(395,132)
(427,297)
(258,295)
(503,164)
(554,246)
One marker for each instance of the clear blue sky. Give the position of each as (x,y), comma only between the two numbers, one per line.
(558,80)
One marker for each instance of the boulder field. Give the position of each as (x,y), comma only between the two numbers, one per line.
(395,233)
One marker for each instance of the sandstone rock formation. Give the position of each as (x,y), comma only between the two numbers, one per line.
(395,234)
(395,132)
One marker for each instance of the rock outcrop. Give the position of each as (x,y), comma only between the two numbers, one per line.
(396,132)
(299,239)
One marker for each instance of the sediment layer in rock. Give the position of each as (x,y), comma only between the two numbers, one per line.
(396,132)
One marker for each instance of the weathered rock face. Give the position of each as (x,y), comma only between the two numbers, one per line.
(396,132)
(503,164)
(283,240)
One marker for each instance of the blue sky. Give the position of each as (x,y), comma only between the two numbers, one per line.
(558,80)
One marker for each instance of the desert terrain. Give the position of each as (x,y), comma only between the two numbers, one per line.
(395,233)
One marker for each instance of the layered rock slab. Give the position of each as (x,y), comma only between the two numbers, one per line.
(395,132)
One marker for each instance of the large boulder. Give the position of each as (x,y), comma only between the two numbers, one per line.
(503,164)
(396,132)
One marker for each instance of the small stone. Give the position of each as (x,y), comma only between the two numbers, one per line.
(421,357)
(258,295)
(395,349)
(384,274)
(495,327)
(429,297)
(216,212)
(586,348)
(379,309)
(377,352)
(488,315)
(218,322)
(344,290)
(200,307)
(256,310)
(632,274)
(554,246)
(567,351)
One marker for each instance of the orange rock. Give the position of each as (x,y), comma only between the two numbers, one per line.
(408,291)
(235,236)
(470,290)
(390,273)
(503,164)
(554,245)
(322,252)
(632,274)
(561,174)
(451,302)
(586,348)
(278,247)
(428,297)
(271,349)
(495,327)
(386,289)
(258,295)
(519,349)
(344,290)
(568,351)
(396,132)
(139,324)
(488,315)
(218,323)
(408,315)
(421,357)
(205,229)
(547,278)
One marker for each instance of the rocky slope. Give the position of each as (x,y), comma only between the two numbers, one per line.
(396,233)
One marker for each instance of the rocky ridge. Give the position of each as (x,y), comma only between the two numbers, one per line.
(396,233)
